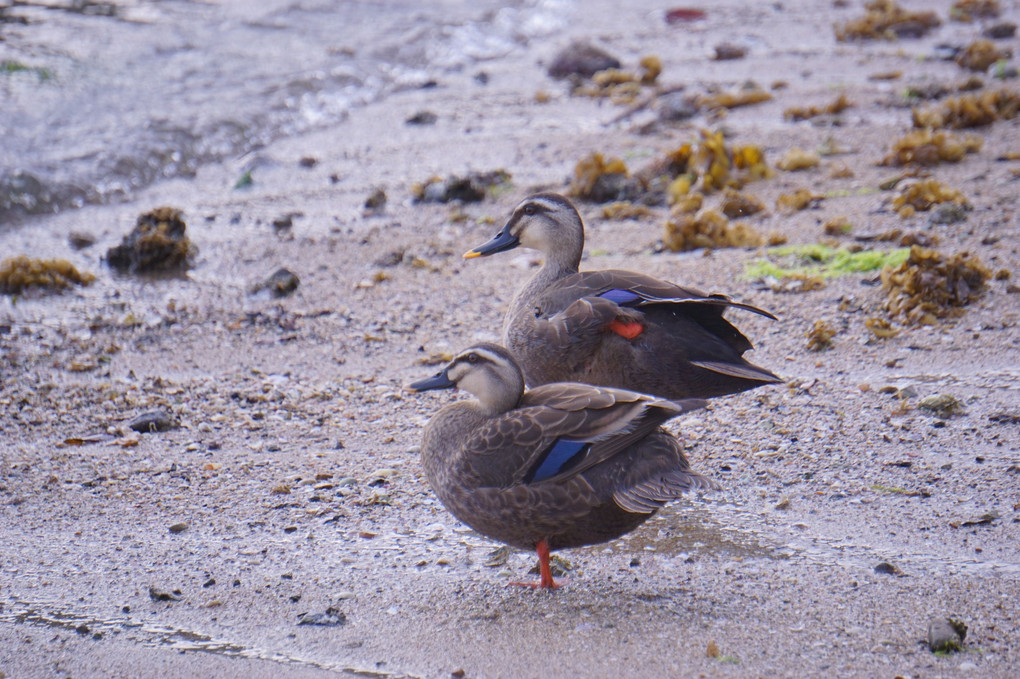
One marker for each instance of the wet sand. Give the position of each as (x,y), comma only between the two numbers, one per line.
(296,470)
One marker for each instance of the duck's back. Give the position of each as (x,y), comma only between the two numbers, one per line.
(685,347)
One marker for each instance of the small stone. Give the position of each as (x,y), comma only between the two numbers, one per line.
(422,118)
(157,594)
(676,106)
(1000,31)
(949,213)
(581,59)
(727,51)
(178,528)
(376,201)
(333,617)
(946,635)
(281,283)
(886,568)
(153,421)
(79,240)
(943,406)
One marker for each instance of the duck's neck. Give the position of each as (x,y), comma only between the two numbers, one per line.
(552,270)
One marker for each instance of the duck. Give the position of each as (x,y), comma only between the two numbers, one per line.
(559,466)
(615,328)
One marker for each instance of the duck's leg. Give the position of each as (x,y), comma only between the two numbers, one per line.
(544,568)
(546,580)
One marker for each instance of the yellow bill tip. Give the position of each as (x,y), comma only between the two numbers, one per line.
(471,254)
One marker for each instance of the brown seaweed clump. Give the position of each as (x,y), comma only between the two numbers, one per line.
(970,110)
(710,165)
(886,20)
(798,200)
(22,272)
(797,159)
(840,104)
(981,54)
(929,286)
(926,147)
(157,243)
(837,226)
(967,10)
(601,181)
(745,96)
(619,85)
(820,336)
(710,229)
(736,204)
(923,195)
(471,188)
(881,328)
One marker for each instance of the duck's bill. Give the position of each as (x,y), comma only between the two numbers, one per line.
(503,241)
(437,381)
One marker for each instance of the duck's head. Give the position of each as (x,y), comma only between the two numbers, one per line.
(487,371)
(546,222)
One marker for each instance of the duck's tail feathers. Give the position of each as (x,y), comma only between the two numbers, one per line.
(745,371)
(652,494)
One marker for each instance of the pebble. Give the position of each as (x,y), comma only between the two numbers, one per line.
(333,617)
(581,59)
(153,421)
(157,594)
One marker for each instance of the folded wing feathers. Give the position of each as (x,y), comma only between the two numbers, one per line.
(649,495)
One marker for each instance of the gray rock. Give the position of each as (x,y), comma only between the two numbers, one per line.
(946,635)
(153,421)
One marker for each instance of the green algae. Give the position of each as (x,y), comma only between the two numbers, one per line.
(815,259)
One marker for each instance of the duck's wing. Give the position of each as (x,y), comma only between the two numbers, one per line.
(562,430)
(574,313)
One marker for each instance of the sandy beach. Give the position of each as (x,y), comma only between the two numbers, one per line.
(284,528)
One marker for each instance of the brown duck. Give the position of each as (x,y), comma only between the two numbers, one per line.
(562,465)
(616,328)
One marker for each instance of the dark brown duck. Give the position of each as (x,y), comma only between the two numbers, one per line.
(615,328)
(562,465)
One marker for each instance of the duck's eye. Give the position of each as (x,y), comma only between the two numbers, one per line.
(529,209)
(472,357)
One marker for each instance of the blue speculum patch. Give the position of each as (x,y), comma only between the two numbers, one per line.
(561,455)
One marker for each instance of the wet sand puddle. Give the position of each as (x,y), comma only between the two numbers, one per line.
(142,633)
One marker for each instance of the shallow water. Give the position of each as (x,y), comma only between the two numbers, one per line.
(101,99)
